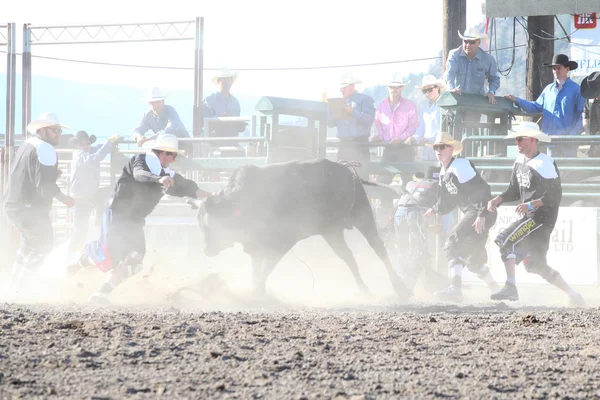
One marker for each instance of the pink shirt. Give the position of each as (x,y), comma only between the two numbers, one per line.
(401,123)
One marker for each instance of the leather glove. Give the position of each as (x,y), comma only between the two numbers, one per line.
(115,139)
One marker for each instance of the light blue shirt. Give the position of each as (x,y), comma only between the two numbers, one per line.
(168,121)
(85,170)
(561,112)
(362,117)
(472,75)
(217,105)
(430,121)
(561,109)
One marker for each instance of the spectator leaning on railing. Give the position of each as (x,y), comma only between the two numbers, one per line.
(561,105)
(161,118)
(469,68)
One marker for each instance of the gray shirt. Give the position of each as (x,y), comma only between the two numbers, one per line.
(472,75)
(85,170)
(168,121)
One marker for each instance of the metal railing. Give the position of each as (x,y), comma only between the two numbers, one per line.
(377,166)
(481,146)
(571,191)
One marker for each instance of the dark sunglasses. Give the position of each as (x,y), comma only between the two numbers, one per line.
(469,41)
(440,146)
(169,153)
(520,138)
(429,90)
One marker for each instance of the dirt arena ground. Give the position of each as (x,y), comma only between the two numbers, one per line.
(316,337)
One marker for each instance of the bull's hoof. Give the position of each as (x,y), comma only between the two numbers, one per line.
(401,290)
(263,299)
(364,289)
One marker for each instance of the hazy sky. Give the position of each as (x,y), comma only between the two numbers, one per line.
(247,34)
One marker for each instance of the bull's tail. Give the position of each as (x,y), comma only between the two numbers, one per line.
(381,191)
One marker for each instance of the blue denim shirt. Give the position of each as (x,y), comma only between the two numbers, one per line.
(362,117)
(471,75)
(85,170)
(168,121)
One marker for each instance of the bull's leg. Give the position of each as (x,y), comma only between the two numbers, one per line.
(335,239)
(258,260)
(365,223)
(262,266)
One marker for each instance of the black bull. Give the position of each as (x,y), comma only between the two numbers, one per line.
(269,209)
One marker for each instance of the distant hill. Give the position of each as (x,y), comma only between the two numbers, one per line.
(103,110)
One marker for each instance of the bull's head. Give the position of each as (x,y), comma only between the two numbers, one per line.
(217,218)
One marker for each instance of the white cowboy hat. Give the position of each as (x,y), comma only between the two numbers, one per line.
(528,129)
(43,121)
(430,80)
(397,80)
(165,142)
(348,78)
(155,94)
(447,139)
(224,73)
(472,34)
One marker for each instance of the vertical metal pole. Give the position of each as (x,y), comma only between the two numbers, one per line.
(322,141)
(198,75)
(5,225)
(9,141)
(26,76)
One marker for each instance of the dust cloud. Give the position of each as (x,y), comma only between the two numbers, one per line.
(177,274)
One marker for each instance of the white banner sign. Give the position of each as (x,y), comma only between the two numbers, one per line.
(585,41)
(572,252)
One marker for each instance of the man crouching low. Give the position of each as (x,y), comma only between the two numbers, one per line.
(121,247)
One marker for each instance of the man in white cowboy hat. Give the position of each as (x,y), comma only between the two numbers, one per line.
(396,119)
(396,122)
(161,118)
(561,105)
(469,68)
(535,184)
(85,183)
(461,185)
(430,118)
(121,247)
(354,128)
(223,104)
(30,191)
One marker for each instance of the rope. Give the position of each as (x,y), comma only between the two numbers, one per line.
(352,165)
(312,275)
